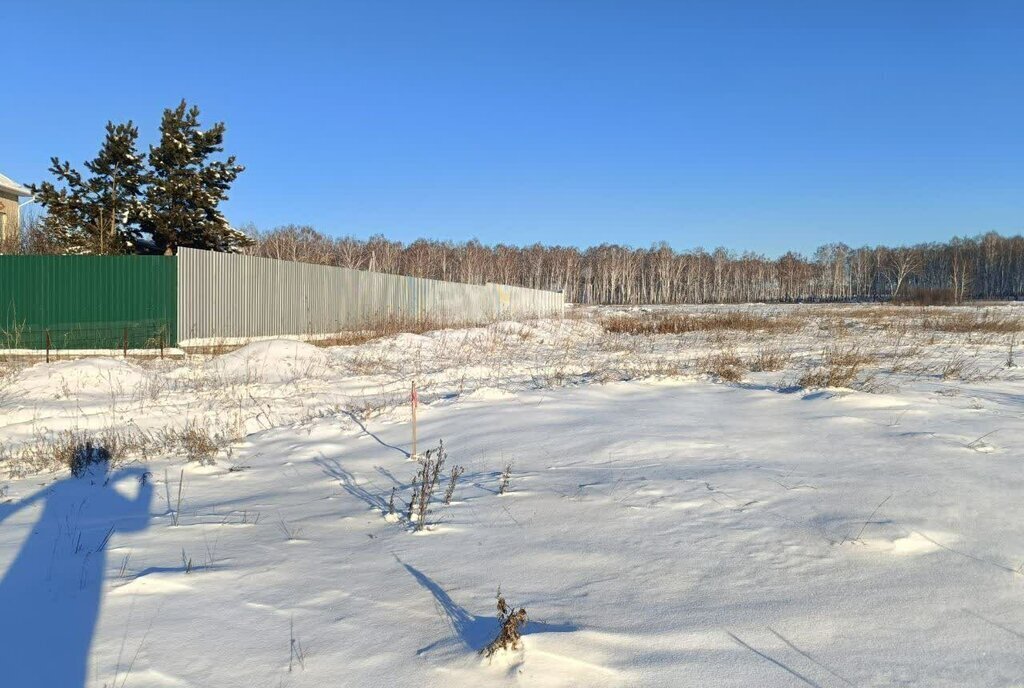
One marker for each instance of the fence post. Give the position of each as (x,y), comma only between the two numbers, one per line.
(124,342)
(47,345)
(161,345)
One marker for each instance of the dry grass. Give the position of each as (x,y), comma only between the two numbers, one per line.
(724,365)
(377,329)
(71,449)
(371,363)
(904,342)
(959,366)
(681,323)
(638,368)
(198,443)
(51,451)
(839,368)
(386,327)
(966,322)
(769,359)
(215,348)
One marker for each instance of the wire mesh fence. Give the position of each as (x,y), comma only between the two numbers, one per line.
(125,335)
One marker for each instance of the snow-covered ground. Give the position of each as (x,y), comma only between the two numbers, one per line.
(662,527)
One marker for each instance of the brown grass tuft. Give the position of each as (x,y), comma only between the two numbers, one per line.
(724,365)
(839,368)
(968,322)
(385,327)
(198,443)
(680,323)
(769,359)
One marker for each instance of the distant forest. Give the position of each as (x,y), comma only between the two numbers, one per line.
(984,267)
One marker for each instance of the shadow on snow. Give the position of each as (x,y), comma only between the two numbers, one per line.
(50,594)
(475,632)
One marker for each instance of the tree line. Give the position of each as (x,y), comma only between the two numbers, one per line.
(990,266)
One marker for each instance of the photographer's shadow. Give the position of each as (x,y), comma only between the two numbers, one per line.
(50,595)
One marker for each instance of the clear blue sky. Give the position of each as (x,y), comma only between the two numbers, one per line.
(761,125)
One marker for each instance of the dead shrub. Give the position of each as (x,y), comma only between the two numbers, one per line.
(424,484)
(509,633)
(456,473)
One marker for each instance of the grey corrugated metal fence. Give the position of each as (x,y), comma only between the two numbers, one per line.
(223,295)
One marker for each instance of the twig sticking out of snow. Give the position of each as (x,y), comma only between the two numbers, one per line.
(868,520)
(297,654)
(976,442)
(506,477)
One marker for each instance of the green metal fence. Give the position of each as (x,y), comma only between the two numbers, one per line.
(88,302)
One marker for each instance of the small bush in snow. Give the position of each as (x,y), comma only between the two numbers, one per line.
(509,634)
(456,473)
(424,484)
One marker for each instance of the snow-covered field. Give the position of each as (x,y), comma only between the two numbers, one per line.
(662,526)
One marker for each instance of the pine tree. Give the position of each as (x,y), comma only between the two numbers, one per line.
(99,214)
(115,188)
(186,186)
(64,207)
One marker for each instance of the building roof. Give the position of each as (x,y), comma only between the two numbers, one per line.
(11,186)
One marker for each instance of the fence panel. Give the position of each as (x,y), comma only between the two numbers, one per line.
(87,302)
(230,296)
